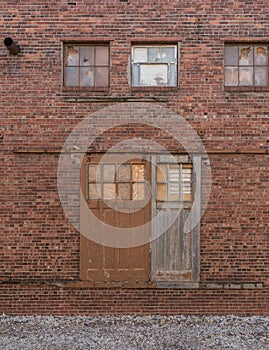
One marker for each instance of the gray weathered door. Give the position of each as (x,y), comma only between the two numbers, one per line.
(175,253)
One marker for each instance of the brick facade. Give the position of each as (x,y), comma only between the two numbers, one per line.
(39,248)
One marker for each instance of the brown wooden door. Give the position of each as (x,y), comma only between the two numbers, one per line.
(115,191)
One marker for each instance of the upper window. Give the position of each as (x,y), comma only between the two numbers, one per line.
(154,65)
(246,65)
(86,65)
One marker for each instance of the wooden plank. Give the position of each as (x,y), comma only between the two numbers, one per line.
(196,213)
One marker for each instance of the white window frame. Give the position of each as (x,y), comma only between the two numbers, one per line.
(170,80)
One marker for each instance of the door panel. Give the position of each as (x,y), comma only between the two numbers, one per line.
(101,263)
(175,253)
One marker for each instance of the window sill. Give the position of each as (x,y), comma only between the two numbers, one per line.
(154,88)
(246,88)
(83,89)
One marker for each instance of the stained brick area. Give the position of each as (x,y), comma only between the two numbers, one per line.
(38,244)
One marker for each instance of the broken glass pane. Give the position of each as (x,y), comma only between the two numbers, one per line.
(95,191)
(101,56)
(154,55)
(71,76)
(261,55)
(140,54)
(86,56)
(261,76)
(138,172)
(86,76)
(110,191)
(246,76)
(153,75)
(138,191)
(101,76)
(124,191)
(161,192)
(124,173)
(161,173)
(231,76)
(231,56)
(109,172)
(245,55)
(72,56)
(168,54)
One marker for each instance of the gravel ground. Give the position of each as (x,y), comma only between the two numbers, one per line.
(134,332)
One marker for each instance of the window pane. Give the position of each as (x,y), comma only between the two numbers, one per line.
(261,76)
(86,56)
(135,75)
(138,191)
(138,172)
(124,172)
(86,77)
(168,54)
(124,191)
(173,188)
(246,76)
(245,55)
(231,76)
(72,55)
(94,173)
(172,75)
(174,172)
(101,56)
(139,54)
(161,173)
(261,55)
(161,192)
(101,76)
(110,191)
(109,172)
(231,55)
(154,55)
(71,76)
(153,75)
(94,191)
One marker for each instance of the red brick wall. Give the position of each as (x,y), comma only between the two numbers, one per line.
(37,241)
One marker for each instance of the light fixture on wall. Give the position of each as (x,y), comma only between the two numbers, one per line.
(13,48)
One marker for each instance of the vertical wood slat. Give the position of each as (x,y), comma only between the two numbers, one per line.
(196,214)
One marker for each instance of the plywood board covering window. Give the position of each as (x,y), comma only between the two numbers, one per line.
(174,182)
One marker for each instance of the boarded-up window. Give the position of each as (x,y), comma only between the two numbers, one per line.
(174,182)
(154,65)
(116,181)
(86,65)
(246,65)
